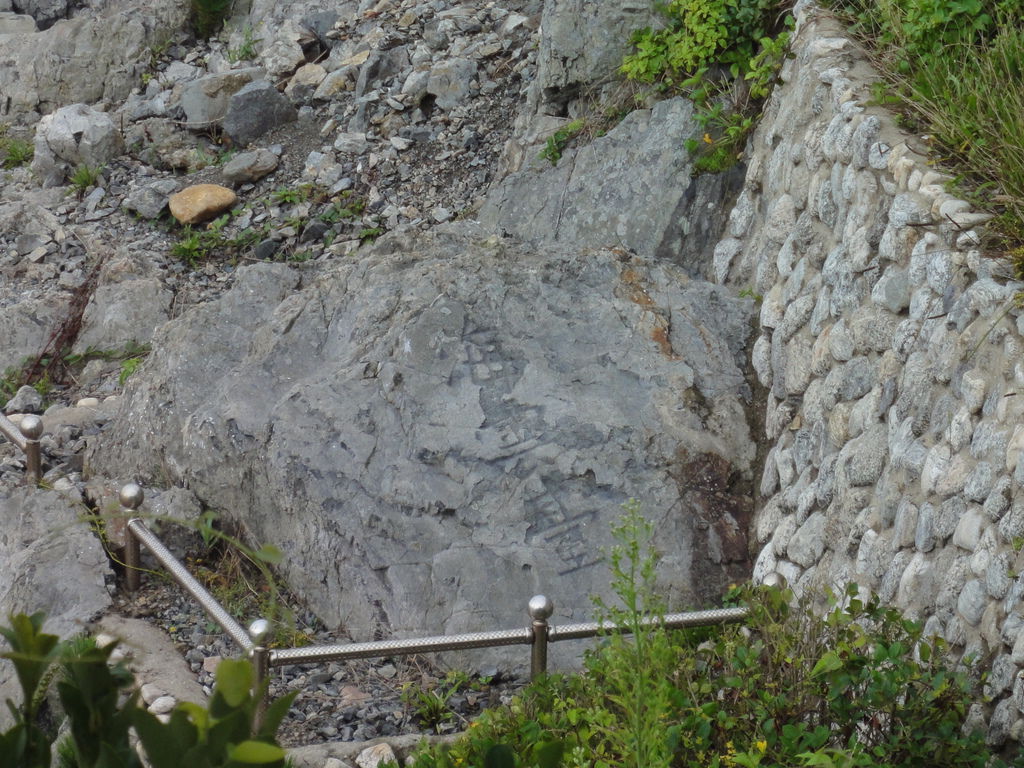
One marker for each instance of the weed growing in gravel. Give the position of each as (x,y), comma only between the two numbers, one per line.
(17,152)
(246,50)
(84,177)
(432,704)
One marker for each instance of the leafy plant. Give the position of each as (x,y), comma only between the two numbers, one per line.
(128,367)
(559,140)
(860,686)
(16,151)
(32,652)
(84,176)
(701,41)
(246,50)
(431,704)
(222,734)
(369,234)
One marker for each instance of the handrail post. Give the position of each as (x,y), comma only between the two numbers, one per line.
(32,429)
(540,609)
(131,498)
(260,655)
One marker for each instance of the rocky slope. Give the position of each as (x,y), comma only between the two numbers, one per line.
(448,418)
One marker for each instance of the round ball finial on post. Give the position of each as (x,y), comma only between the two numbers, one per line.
(131,496)
(774,579)
(540,608)
(259,631)
(32,429)
(31,426)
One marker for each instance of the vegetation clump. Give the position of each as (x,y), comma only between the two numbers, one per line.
(102,711)
(725,55)
(859,686)
(15,151)
(958,67)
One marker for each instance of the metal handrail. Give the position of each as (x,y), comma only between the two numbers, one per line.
(26,437)
(253,642)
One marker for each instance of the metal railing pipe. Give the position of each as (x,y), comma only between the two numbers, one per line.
(318,653)
(185,579)
(26,437)
(670,621)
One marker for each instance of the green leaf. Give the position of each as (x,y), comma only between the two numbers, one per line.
(234,681)
(830,662)
(499,756)
(256,752)
(270,554)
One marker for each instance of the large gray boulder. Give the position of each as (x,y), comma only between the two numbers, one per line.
(441,427)
(254,110)
(632,187)
(205,100)
(73,136)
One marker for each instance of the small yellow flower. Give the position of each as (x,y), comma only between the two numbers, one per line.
(708,139)
(761,746)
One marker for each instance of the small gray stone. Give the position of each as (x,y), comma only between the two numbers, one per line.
(351,143)
(808,542)
(25,400)
(150,201)
(924,536)
(972,601)
(249,166)
(206,100)
(980,482)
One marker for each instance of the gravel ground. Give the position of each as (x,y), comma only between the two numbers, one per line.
(338,701)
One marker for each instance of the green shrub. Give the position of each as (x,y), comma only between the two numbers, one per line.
(100,716)
(701,42)
(16,152)
(860,686)
(208,16)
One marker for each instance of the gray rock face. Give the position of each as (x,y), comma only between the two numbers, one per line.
(206,100)
(255,109)
(45,12)
(447,425)
(16,24)
(72,136)
(85,59)
(123,313)
(49,561)
(583,43)
(632,188)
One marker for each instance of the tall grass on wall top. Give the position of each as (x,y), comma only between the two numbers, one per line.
(959,66)
(209,15)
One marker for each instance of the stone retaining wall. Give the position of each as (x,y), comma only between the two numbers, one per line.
(891,352)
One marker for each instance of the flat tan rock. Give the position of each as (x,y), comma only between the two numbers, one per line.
(201,202)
